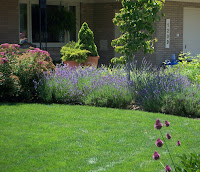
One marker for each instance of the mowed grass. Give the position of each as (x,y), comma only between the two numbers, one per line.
(36,137)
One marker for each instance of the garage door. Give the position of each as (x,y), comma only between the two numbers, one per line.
(191,30)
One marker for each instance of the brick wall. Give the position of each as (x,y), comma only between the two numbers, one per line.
(9,21)
(99,18)
(174,12)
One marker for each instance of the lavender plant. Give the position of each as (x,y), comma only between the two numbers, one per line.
(90,86)
(158,91)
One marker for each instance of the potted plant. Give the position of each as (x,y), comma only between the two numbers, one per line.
(86,42)
(73,57)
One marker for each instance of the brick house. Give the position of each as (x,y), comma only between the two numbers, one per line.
(182,18)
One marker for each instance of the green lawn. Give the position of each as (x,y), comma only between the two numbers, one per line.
(37,137)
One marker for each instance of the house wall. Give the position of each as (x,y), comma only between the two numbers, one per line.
(99,18)
(9,21)
(174,12)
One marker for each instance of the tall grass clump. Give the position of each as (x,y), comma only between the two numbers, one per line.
(166,92)
(89,86)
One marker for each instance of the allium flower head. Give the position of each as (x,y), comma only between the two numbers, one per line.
(178,143)
(168,136)
(167,123)
(156,155)
(158,125)
(167,168)
(159,142)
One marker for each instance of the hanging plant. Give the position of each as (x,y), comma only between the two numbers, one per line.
(61,20)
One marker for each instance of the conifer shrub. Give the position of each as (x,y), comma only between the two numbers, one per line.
(86,40)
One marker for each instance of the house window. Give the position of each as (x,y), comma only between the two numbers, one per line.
(53,35)
(30,23)
(73,33)
(23,23)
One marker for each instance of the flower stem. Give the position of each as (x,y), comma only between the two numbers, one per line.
(162,164)
(168,150)
(184,142)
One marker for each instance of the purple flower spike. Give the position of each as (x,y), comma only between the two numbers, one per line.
(156,155)
(167,123)
(159,142)
(167,168)
(178,143)
(168,136)
(158,125)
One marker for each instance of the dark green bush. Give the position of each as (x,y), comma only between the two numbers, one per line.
(86,40)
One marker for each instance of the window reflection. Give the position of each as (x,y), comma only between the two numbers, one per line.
(23,23)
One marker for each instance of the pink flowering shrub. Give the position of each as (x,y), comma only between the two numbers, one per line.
(31,66)
(23,67)
(9,83)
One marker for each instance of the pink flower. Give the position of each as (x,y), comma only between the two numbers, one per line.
(37,49)
(168,136)
(2,53)
(159,142)
(40,62)
(167,123)
(167,168)
(6,45)
(156,155)
(158,125)
(16,45)
(4,60)
(178,143)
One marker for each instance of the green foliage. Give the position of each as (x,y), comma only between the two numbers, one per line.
(189,163)
(186,103)
(73,54)
(86,40)
(188,66)
(19,70)
(120,60)
(136,22)
(61,20)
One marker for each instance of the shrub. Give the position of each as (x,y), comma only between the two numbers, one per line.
(171,93)
(188,66)
(86,40)
(9,83)
(72,54)
(23,68)
(31,66)
(99,87)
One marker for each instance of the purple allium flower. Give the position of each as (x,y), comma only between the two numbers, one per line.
(156,155)
(158,125)
(167,123)
(168,136)
(178,143)
(159,142)
(167,168)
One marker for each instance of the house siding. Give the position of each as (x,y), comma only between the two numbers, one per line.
(9,21)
